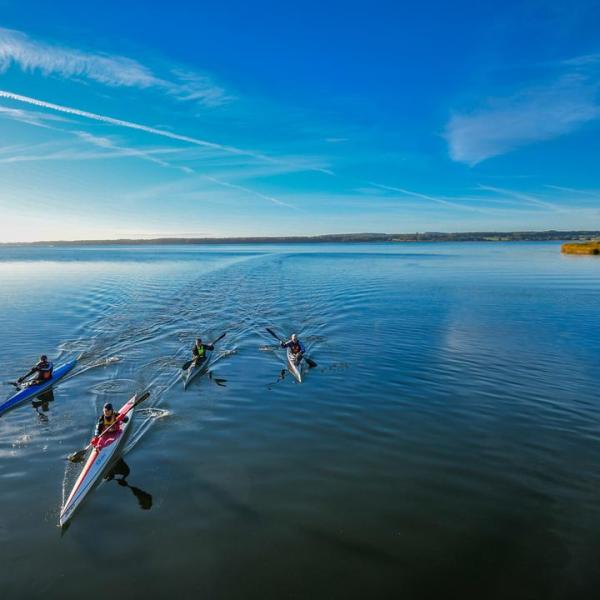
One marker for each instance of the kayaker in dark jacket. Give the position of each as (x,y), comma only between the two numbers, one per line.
(107,418)
(296,346)
(43,370)
(199,351)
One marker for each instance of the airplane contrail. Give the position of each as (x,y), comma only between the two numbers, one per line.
(130,125)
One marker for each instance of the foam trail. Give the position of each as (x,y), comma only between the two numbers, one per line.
(151,416)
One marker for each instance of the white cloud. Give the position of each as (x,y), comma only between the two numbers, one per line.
(30,117)
(533,114)
(17,48)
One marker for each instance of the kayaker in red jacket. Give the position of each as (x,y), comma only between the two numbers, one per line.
(199,351)
(43,370)
(107,418)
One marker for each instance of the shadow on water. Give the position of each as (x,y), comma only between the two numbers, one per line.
(119,473)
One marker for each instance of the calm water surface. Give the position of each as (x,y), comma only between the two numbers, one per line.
(447,444)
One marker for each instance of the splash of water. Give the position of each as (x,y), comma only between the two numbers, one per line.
(150,416)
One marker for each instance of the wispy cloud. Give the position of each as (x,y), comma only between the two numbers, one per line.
(436,199)
(246,190)
(201,187)
(232,150)
(118,150)
(528,198)
(17,48)
(30,117)
(588,193)
(537,113)
(58,151)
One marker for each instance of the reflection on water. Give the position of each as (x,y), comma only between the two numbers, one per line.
(43,402)
(446,443)
(119,473)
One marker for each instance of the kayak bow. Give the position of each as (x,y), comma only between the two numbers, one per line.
(29,392)
(101,458)
(294,366)
(193,371)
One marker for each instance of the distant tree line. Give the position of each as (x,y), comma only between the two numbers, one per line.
(428,236)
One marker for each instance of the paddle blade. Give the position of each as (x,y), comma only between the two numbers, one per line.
(219,338)
(139,400)
(77,457)
(186,365)
(310,362)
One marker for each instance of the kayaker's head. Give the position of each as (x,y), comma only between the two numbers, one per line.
(294,337)
(108,409)
(198,341)
(43,358)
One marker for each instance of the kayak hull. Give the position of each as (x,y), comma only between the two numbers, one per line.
(193,371)
(98,463)
(32,391)
(294,367)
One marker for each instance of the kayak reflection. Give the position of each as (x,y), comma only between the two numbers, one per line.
(43,402)
(121,469)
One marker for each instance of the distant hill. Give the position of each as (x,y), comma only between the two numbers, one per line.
(430,236)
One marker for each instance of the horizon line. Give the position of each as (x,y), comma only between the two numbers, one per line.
(363,237)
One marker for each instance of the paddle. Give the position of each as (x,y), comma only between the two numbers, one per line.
(11,383)
(311,363)
(186,365)
(76,457)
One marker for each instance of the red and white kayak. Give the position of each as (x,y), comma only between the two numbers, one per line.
(100,459)
(294,366)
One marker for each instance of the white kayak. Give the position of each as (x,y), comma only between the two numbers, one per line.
(195,370)
(99,461)
(294,367)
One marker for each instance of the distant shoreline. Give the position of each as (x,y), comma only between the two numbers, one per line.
(481,236)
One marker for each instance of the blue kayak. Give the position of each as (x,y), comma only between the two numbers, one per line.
(31,391)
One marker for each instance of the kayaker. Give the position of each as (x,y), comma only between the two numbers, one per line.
(296,346)
(199,351)
(107,418)
(43,370)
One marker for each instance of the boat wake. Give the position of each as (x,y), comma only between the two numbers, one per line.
(149,415)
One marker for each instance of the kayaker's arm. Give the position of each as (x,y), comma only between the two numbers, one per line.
(24,377)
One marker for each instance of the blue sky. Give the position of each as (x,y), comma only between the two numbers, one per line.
(279,118)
